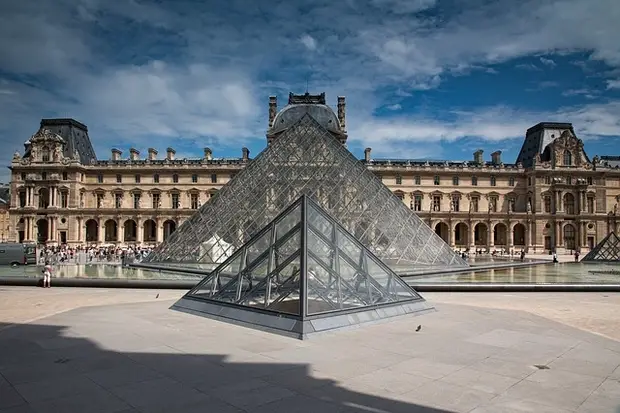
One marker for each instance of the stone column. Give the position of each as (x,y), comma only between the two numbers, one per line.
(510,236)
(159,233)
(452,235)
(80,230)
(584,234)
(490,232)
(529,235)
(472,236)
(139,231)
(559,240)
(26,227)
(101,234)
(120,231)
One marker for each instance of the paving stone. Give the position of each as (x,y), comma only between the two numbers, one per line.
(27,373)
(92,402)
(569,398)
(56,387)
(251,393)
(385,382)
(479,380)
(567,379)
(427,368)
(451,397)
(577,365)
(518,370)
(119,376)
(9,397)
(503,404)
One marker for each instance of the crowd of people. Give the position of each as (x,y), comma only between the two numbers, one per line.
(63,255)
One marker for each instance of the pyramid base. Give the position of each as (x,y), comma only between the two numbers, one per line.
(293,326)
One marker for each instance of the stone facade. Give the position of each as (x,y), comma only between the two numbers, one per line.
(562,200)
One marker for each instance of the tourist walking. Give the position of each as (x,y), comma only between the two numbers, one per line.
(47,275)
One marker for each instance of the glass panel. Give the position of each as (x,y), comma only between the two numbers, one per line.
(257,247)
(320,249)
(318,221)
(289,221)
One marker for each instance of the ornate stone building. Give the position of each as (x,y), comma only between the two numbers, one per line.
(553,197)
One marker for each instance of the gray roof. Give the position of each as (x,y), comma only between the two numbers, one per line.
(538,137)
(75,135)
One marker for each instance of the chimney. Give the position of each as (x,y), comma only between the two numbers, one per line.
(245,154)
(152,154)
(341,112)
(496,157)
(273,109)
(478,156)
(170,154)
(134,154)
(367,154)
(208,154)
(116,154)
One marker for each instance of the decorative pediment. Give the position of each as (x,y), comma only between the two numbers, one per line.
(474,194)
(46,136)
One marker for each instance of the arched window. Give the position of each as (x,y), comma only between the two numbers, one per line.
(45,154)
(568,158)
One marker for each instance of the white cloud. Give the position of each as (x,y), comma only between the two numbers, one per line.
(308,41)
(528,66)
(548,62)
(613,84)
(395,106)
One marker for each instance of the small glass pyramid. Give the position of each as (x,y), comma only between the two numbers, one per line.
(306,159)
(608,250)
(302,273)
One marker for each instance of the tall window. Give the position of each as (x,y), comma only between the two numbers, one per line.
(436,180)
(44,175)
(100,178)
(473,204)
(118,201)
(456,203)
(22,199)
(493,181)
(175,201)
(416,179)
(137,178)
(175,178)
(569,180)
(194,201)
(214,178)
(399,180)
(119,178)
(136,201)
(529,180)
(65,176)
(589,180)
(64,200)
(568,158)
(547,180)
(548,204)
(155,198)
(45,154)
(569,204)
(511,181)
(455,180)
(194,178)
(436,203)
(400,195)
(590,205)
(474,181)
(156,178)
(23,176)
(417,203)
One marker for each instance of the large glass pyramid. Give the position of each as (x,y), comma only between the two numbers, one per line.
(608,250)
(301,274)
(306,159)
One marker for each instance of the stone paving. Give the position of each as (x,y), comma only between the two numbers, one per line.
(143,357)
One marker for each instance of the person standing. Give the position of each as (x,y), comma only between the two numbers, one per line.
(47,275)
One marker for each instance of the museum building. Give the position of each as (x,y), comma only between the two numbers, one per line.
(553,197)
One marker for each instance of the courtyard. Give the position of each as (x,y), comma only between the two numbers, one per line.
(121,350)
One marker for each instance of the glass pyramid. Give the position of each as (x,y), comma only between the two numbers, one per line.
(301,274)
(608,250)
(306,159)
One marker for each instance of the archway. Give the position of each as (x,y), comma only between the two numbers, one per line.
(92,231)
(569,236)
(461,237)
(569,203)
(169,227)
(481,234)
(443,231)
(131,231)
(111,231)
(499,234)
(42,231)
(44,198)
(150,231)
(518,235)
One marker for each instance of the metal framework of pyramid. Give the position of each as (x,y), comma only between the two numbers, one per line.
(302,274)
(306,159)
(608,250)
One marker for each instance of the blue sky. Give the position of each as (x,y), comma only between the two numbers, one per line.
(423,78)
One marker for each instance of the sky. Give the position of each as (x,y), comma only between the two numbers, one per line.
(427,79)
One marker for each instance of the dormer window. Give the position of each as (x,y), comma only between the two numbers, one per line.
(45,154)
(568,158)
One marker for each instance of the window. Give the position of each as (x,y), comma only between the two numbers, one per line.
(493,204)
(118,201)
(455,180)
(155,201)
(529,180)
(99,200)
(23,176)
(194,201)
(547,180)
(589,180)
(214,178)
(436,203)
(493,181)
(436,180)
(175,178)
(416,180)
(474,181)
(81,199)
(137,178)
(511,204)
(44,176)
(400,195)
(194,178)
(22,199)
(399,180)
(156,178)
(568,158)
(456,203)
(548,204)
(511,181)
(569,204)
(590,205)
(119,178)
(64,200)
(417,203)
(45,155)
(136,201)
(100,178)
(65,176)
(473,204)
(175,201)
